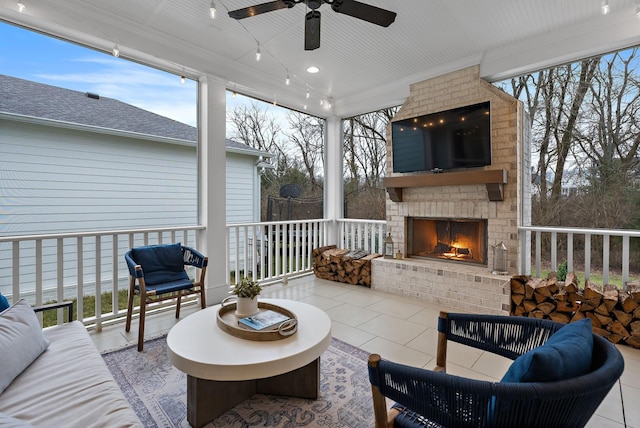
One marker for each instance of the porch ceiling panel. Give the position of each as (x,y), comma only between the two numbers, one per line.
(362,66)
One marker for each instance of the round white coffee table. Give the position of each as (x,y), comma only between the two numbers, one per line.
(224,370)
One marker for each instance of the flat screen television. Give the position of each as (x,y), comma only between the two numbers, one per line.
(457,138)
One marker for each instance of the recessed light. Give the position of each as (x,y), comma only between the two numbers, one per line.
(312,69)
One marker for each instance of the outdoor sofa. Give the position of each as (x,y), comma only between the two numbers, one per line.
(55,377)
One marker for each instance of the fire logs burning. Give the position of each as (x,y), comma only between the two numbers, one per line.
(615,314)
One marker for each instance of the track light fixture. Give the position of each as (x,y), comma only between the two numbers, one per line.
(605,7)
(212,9)
(638,10)
(116,51)
(21,7)
(287,81)
(258,53)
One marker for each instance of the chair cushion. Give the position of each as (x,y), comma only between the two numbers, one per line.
(567,354)
(160,263)
(21,341)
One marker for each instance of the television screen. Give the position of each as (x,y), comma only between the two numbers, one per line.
(457,138)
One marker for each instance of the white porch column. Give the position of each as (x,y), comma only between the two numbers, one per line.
(333,189)
(212,160)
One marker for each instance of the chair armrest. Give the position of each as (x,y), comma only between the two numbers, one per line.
(135,270)
(52,306)
(194,258)
(442,398)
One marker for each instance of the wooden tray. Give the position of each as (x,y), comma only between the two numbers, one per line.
(228,322)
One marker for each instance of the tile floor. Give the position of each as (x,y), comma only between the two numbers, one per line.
(402,330)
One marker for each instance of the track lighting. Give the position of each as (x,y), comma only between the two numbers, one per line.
(233,94)
(212,9)
(21,7)
(182,79)
(287,80)
(638,10)
(307,94)
(258,54)
(605,7)
(116,51)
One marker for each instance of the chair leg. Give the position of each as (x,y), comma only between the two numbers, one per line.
(178,304)
(203,298)
(127,326)
(143,310)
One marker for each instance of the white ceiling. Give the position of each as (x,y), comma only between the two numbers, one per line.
(363,66)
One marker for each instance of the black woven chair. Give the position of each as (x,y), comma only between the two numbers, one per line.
(426,398)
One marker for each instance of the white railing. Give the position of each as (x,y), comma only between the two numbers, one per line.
(271,251)
(268,251)
(65,266)
(365,234)
(57,267)
(573,245)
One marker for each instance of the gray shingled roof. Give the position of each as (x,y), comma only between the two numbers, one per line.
(27,98)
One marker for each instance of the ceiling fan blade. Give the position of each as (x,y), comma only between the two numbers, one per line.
(366,12)
(258,9)
(312,30)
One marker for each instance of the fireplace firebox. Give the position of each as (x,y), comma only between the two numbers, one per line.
(460,240)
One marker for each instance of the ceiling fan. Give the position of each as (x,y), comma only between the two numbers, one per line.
(353,8)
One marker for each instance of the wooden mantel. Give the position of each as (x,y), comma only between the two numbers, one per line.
(493,179)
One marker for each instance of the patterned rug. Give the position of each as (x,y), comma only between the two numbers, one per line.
(158,392)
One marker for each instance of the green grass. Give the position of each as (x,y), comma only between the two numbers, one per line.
(595,277)
(89,306)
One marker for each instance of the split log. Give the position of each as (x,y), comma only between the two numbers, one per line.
(623,317)
(618,328)
(547,307)
(627,303)
(559,317)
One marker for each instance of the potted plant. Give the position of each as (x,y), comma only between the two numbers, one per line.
(246,292)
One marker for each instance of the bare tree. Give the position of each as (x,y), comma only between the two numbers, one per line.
(307,136)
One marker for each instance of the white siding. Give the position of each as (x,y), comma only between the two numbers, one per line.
(241,198)
(57,180)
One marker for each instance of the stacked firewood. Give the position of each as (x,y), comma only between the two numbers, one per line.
(614,313)
(335,264)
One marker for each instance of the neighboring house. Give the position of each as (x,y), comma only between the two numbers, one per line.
(73,161)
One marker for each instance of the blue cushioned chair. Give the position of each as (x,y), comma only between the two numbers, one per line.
(160,274)
(425,398)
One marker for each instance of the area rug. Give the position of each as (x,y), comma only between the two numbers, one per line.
(158,392)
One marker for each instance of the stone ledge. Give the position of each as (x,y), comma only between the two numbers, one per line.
(455,286)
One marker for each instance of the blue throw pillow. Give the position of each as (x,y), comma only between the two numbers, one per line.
(567,354)
(160,263)
(4,303)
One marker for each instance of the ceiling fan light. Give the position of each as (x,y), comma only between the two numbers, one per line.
(312,69)
(212,9)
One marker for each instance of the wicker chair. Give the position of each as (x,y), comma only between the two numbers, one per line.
(437,399)
(157,273)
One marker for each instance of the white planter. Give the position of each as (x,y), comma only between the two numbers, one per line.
(246,307)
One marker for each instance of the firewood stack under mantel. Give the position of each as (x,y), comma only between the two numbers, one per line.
(614,313)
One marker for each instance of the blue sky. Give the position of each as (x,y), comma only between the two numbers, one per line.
(33,56)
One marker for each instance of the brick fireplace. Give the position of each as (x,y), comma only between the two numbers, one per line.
(446,224)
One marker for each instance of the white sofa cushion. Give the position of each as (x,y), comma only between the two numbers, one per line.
(69,385)
(21,341)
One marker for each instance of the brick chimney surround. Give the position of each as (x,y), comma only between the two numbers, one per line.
(493,193)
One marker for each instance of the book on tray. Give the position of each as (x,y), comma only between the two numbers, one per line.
(263,320)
